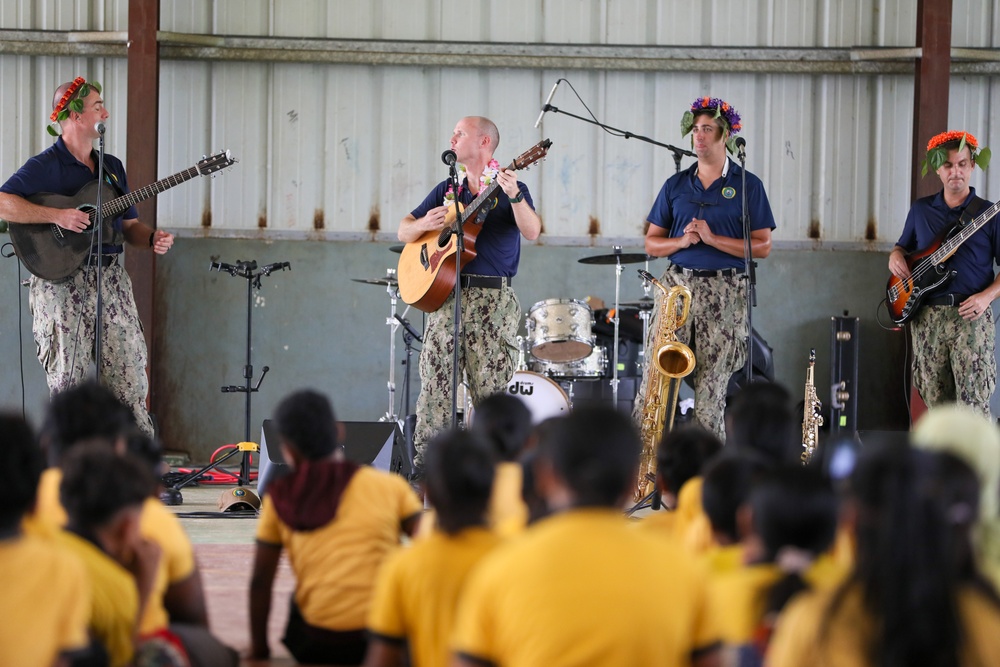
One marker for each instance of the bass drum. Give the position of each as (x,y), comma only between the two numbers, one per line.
(543,397)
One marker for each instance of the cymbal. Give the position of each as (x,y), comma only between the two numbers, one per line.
(397,248)
(621,258)
(386,281)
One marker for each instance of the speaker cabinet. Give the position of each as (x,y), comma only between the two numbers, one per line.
(378,444)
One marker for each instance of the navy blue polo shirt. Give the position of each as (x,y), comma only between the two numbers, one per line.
(929,217)
(498,245)
(683,197)
(56,171)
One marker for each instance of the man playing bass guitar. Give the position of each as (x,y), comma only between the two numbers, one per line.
(490,309)
(954,335)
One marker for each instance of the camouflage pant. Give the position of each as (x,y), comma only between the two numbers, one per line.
(953,359)
(63,325)
(716,332)
(488,355)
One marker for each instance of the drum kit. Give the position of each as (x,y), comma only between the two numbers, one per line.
(561,347)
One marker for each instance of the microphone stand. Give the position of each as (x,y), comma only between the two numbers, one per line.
(99,319)
(677,152)
(749,273)
(459,233)
(409,335)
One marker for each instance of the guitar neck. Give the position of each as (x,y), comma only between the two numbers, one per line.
(121,204)
(951,245)
(473,208)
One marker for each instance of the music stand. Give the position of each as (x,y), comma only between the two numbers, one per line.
(253,275)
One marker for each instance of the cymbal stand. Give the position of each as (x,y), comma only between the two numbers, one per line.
(392,289)
(253,275)
(614,365)
(645,315)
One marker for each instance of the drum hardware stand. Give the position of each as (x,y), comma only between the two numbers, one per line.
(618,281)
(253,275)
(645,315)
(393,321)
(409,422)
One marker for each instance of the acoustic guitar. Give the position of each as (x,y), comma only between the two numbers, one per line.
(426,270)
(52,253)
(929,269)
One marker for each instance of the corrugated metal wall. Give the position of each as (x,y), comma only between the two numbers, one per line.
(344,150)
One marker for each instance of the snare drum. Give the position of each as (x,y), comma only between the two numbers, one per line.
(543,397)
(559,330)
(592,367)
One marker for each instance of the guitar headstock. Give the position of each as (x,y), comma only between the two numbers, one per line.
(532,155)
(214,163)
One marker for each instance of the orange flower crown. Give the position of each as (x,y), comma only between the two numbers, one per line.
(72,100)
(937,154)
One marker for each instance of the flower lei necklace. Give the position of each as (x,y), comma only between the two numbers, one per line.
(72,100)
(489,175)
(937,152)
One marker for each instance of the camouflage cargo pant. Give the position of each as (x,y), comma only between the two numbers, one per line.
(487,354)
(953,359)
(716,332)
(63,325)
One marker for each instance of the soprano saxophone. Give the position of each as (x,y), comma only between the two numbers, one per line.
(811,417)
(670,362)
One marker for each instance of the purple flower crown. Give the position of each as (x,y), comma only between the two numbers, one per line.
(722,109)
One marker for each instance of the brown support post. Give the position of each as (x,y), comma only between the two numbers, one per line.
(140,158)
(930,93)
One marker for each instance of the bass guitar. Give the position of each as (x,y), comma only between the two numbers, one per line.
(426,270)
(929,269)
(52,253)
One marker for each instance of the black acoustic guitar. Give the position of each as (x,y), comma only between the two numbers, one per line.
(52,253)
(929,268)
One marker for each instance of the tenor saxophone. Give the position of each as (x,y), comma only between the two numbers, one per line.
(811,417)
(670,362)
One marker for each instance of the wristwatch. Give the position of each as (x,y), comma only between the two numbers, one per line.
(519,197)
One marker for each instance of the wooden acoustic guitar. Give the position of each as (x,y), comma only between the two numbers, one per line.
(929,269)
(52,253)
(426,270)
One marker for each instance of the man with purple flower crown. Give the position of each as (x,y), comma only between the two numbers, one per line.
(954,335)
(490,309)
(696,221)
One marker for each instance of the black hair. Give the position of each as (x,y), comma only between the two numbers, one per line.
(761,419)
(726,486)
(305,421)
(595,452)
(98,483)
(459,469)
(793,506)
(506,422)
(915,512)
(683,452)
(88,410)
(21,465)
(148,451)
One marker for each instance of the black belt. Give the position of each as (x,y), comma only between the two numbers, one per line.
(945,300)
(488,282)
(104,260)
(705,273)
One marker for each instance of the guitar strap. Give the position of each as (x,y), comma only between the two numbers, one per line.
(971,211)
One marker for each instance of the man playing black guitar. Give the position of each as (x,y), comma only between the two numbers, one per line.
(63,311)
(954,335)
(490,309)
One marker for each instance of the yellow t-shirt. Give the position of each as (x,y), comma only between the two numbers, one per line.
(585,588)
(114,598)
(797,642)
(156,523)
(335,565)
(687,524)
(45,603)
(417,592)
(508,513)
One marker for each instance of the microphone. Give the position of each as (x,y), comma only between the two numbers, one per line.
(99,127)
(449,157)
(741,148)
(548,102)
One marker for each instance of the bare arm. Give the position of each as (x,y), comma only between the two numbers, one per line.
(383,654)
(185,601)
(19,210)
(974,307)
(411,229)
(660,244)
(265,566)
(527,220)
(760,240)
(137,234)
(897,263)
